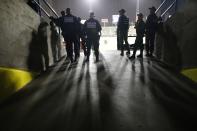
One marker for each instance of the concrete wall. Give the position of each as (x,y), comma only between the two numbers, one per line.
(18,22)
(178,38)
(24,38)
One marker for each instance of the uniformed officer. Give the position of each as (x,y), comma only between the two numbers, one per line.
(140,31)
(123,27)
(92,29)
(68,24)
(151,27)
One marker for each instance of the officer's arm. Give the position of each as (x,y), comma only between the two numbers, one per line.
(99,28)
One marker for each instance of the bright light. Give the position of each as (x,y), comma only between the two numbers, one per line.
(115,18)
(83,21)
(91,1)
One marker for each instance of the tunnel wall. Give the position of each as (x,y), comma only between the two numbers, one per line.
(20,45)
(18,22)
(177,38)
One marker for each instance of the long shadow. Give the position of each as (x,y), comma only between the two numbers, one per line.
(38,49)
(180,105)
(106,88)
(142,72)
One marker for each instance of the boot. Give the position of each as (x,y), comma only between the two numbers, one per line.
(87,59)
(122,53)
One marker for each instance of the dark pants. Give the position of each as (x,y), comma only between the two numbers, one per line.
(70,41)
(78,45)
(138,44)
(83,44)
(93,41)
(150,39)
(124,38)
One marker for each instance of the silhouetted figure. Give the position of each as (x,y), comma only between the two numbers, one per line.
(151,28)
(68,24)
(159,43)
(92,29)
(122,30)
(140,31)
(54,41)
(82,37)
(42,39)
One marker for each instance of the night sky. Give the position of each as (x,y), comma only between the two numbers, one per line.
(105,8)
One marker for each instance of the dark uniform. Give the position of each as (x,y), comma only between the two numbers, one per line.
(140,31)
(151,28)
(122,30)
(68,24)
(92,29)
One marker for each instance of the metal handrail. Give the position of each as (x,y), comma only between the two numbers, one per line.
(50,7)
(160,6)
(168,8)
(42,8)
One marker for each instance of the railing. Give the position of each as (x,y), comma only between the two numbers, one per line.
(49,6)
(45,12)
(161,6)
(168,8)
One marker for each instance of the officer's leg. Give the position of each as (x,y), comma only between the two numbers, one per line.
(121,43)
(84,47)
(69,48)
(147,44)
(152,41)
(134,48)
(118,40)
(76,47)
(89,43)
(96,48)
(126,41)
(141,46)
(66,45)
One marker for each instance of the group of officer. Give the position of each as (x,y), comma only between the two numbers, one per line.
(90,32)
(147,28)
(73,31)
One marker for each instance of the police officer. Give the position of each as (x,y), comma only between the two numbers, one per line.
(151,27)
(92,29)
(68,24)
(140,31)
(123,27)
